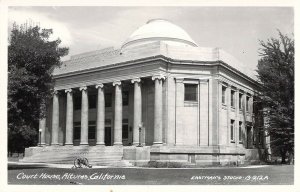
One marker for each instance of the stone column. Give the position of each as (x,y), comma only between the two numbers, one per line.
(69,118)
(100,115)
(137,109)
(179,108)
(55,118)
(42,128)
(118,114)
(158,110)
(84,116)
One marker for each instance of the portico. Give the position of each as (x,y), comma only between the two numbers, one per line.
(135,84)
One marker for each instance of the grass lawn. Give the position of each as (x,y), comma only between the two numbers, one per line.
(271,174)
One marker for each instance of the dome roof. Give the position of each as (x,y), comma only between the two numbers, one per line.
(159,30)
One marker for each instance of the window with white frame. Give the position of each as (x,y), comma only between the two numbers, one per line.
(224,95)
(240,131)
(190,92)
(232,130)
(247,103)
(232,98)
(240,100)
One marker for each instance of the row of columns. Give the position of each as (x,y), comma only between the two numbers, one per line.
(137,116)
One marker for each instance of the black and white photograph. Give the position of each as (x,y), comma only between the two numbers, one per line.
(148,95)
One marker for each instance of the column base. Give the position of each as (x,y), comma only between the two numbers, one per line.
(118,143)
(135,143)
(84,144)
(54,144)
(157,143)
(100,143)
(176,144)
(68,144)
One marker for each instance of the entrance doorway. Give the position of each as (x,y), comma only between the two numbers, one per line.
(107,138)
(125,133)
(107,133)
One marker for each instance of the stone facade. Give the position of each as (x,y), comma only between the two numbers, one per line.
(181,102)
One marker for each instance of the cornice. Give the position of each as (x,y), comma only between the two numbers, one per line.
(156,58)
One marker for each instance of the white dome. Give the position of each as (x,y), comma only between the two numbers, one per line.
(159,30)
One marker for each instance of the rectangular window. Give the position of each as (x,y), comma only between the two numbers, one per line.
(92,101)
(232,128)
(77,102)
(108,99)
(125,98)
(125,129)
(247,103)
(92,130)
(77,130)
(190,92)
(223,95)
(107,122)
(232,98)
(240,131)
(240,101)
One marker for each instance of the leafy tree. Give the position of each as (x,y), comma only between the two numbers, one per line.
(276,73)
(31,59)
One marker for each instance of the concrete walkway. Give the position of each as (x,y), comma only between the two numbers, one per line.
(20,165)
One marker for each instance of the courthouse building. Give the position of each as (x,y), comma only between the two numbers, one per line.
(162,90)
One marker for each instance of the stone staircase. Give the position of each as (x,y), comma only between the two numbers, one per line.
(96,155)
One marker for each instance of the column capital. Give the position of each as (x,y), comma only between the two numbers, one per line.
(158,77)
(68,91)
(99,85)
(241,91)
(234,88)
(54,92)
(138,80)
(84,88)
(117,83)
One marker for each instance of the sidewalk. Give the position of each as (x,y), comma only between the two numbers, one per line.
(20,165)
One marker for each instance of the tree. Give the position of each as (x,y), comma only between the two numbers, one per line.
(276,73)
(31,60)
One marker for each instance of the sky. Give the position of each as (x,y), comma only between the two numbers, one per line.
(237,30)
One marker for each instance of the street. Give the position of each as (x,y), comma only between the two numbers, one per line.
(252,175)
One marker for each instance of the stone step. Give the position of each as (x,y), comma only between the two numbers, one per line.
(105,156)
(53,153)
(75,155)
(70,159)
(108,162)
(74,151)
(62,148)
